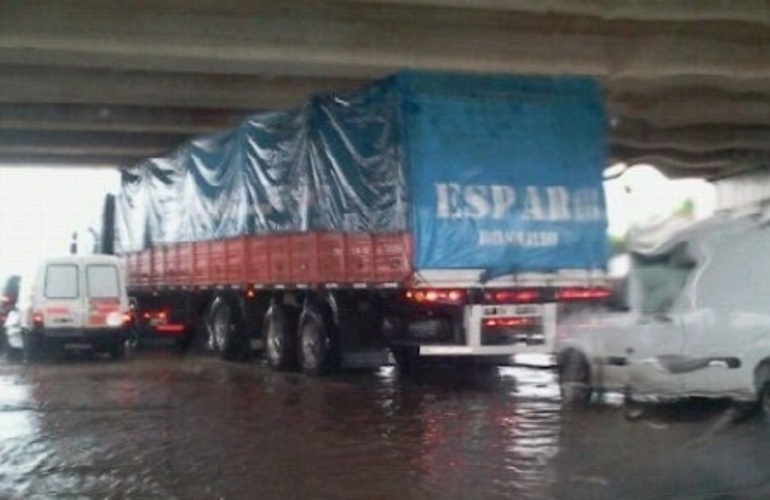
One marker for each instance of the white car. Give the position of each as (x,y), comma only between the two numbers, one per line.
(13,328)
(691,319)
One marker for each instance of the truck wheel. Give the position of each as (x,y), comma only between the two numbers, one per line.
(319,352)
(407,358)
(223,331)
(118,351)
(280,345)
(575,379)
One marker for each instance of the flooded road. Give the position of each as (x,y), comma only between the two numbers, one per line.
(167,426)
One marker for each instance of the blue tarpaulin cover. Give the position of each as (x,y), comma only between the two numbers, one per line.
(493,172)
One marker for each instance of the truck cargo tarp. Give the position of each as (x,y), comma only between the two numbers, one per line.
(500,173)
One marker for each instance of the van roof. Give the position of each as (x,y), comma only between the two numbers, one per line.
(82,259)
(660,236)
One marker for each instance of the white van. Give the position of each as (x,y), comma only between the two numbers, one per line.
(74,303)
(690,319)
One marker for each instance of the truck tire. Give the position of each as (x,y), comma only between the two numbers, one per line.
(574,379)
(407,358)
(118,351)
(280,340)
(224,331)
(318,348)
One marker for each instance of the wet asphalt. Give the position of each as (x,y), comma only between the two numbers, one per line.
(165,425)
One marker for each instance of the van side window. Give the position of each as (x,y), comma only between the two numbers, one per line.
(737,277)
(61,281)
(102,281)
(662,278)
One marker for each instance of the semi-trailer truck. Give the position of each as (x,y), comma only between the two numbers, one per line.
(428,214)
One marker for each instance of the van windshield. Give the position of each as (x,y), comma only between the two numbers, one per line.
(61,281)
(102,281)
(662,278)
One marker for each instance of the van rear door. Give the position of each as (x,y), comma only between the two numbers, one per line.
(62,305)
(103,297)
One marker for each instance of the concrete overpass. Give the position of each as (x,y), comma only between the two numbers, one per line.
(93,82)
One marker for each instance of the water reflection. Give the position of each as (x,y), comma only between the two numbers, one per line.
(21,450)
(194,427)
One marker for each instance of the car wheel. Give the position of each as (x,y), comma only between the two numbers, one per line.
(575,379)
(280,349)
(319,352)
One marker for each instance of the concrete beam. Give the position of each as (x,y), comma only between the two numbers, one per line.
(685,107)
(748,11)
(109,118)
(367,40)
(34,160)
(677,164)
(14,142)
(36,85)
(696,139)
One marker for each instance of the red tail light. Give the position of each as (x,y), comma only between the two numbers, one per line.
(582,293)
(157,315)
(37,319)
(170,328)
(436,296)
(512,322)
(521,296)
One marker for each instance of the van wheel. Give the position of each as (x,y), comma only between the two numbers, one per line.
(319,350)
(575,379)
(280,344)
(32,349)
(13,355)
(764,401)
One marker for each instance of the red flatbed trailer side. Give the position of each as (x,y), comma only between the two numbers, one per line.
(317,259)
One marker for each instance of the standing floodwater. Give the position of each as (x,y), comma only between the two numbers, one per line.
(165,426)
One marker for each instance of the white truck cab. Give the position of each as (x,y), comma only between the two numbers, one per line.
(690,319)
(72,303)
